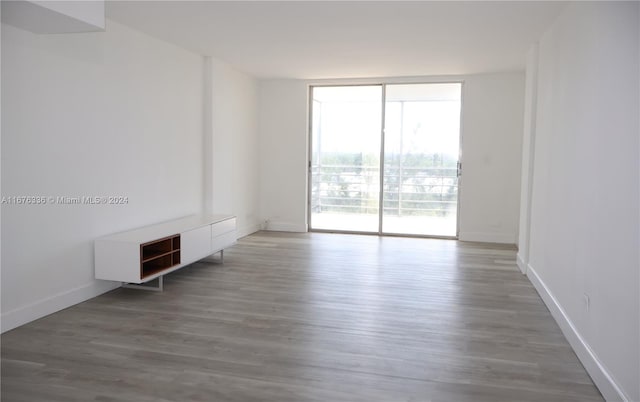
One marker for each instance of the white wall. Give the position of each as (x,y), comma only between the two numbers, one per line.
(492,119)
(492,135)
(233,148)
(584,236)
(1,172)
(115,113)
(283,154)
(528,155)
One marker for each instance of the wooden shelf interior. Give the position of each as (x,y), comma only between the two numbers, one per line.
(158,255)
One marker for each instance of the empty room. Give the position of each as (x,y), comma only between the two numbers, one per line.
(320,201)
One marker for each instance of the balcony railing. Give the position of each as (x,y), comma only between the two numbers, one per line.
(408,191)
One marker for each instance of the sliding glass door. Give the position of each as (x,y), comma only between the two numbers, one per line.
(422,143)
(409,165)
(345,158)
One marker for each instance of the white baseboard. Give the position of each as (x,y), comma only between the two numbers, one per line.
(41,308)
(598,372)
(487,237)
(247,230)
(521,264)
(286,227)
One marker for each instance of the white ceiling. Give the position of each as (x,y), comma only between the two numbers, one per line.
(340,39)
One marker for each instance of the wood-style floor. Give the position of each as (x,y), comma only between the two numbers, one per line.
(308,317)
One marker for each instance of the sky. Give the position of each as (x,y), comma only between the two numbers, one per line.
(349,118)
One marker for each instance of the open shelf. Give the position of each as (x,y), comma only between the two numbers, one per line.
(158,255)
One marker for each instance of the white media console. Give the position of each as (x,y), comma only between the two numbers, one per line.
(141,255)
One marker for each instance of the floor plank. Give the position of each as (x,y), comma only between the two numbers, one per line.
(308,317)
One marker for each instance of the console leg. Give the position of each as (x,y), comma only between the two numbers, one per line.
(157,288)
